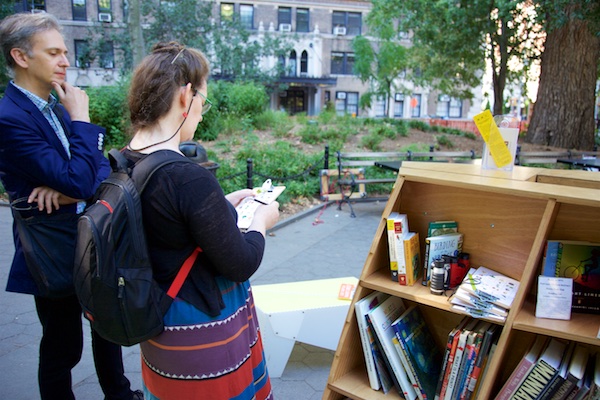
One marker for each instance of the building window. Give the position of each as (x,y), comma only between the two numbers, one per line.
(284,15)
(327,97)
(304,64)
(226,12)
(415,105)
(399,105)
(30,5)
(79,12)
(302,21)
(448,107)
(247,16)
(346,103)
(380,106)
(349,20)
(293,63)
(342,63)
(455,110)
(104,6)
(442,106)
(83,56)
(107,55)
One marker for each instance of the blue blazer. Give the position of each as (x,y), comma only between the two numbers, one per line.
(31,155)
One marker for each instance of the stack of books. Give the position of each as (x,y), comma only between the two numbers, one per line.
(404,250)
(468,348)
(485,293)
(443,239)
(554,369)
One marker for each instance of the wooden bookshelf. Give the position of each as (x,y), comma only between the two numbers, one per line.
(506,218)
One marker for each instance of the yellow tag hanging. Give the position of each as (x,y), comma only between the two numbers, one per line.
(493,138)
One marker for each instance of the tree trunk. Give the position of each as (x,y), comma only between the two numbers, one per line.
(135,30)
(563,115)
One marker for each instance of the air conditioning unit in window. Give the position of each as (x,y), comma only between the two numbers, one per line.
(339,30)
(37,11)
(285,27)
(104,17)
(341,96)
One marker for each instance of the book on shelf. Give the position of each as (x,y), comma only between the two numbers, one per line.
(584,386)
(485,368)
(475,306)
(412,255)
(474,342)
(542,373)
(580,261)
(559,379)
(489,337)
(457,360)
(435,228)
(522,369)
(361,308)
(449,244)
(449,352)
(381,319)
(491,286)
(595,389)
(418,343)
(410,370)
(397,229)
(575,373)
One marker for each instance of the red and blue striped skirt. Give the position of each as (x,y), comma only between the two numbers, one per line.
(199,357)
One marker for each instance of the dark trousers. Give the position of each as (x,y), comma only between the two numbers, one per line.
(61,347)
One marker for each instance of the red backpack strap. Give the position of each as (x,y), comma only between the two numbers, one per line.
(183,273)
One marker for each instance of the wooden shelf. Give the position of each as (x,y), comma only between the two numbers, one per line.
(506,219)
(581,327)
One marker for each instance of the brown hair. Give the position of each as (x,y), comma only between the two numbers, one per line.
(17,30)
(156,79)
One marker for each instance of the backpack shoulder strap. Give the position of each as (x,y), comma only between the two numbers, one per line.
(146,167)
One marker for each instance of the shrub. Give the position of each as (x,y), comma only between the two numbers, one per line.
(109,109)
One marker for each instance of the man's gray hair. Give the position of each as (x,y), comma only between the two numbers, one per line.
(17,30)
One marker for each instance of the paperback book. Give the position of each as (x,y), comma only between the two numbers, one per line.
(412,254)
(419,345)
(491,286)
(362,308)
(380,319)
(449,244)
(579,261)
(397,230)
(435,228)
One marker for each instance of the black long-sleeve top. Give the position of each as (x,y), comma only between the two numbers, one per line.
(184,207)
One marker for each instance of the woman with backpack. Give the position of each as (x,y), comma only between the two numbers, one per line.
(211,346)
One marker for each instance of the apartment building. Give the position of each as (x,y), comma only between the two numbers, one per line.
(318,70)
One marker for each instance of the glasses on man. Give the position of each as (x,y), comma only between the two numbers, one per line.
(207,103)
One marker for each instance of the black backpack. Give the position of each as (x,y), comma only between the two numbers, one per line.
(112,273)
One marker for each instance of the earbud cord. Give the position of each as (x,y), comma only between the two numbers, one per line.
(185,115)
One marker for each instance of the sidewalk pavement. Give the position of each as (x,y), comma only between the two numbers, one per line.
(322,243)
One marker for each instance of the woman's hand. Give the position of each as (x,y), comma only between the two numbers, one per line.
(235,198)
(265,217)
(48,198)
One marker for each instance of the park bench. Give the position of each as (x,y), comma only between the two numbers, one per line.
(348,181)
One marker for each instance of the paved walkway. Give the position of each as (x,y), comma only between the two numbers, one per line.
(325,243)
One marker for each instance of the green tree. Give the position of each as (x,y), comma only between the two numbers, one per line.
(232,51)
(453,39)
(563,115)
(379,62)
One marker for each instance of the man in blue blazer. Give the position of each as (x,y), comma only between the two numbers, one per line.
(52,155)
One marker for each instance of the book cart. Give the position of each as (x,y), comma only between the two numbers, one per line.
(506,218)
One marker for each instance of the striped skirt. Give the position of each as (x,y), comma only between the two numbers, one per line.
(199,357)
